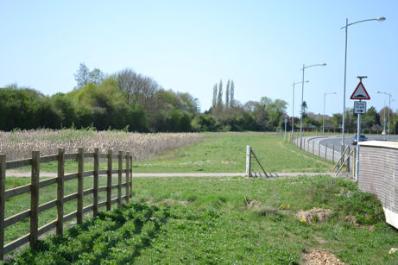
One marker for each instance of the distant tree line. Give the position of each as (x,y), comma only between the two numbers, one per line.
(134,102)
(125,100)
(228,114)
(371,122)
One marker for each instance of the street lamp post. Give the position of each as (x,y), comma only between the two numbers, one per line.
(389,110)
(324,109)
(285,137)
(345,68)
(294,85)
(302,98)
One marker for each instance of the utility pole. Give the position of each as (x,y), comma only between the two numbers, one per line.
(379,19)
(285,128)
(388,131)
(294,88)
(324,109)
(302,99)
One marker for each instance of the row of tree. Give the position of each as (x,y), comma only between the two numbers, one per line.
(131,101)
(124,100)
(372,121)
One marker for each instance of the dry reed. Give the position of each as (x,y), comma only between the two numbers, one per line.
(19,144)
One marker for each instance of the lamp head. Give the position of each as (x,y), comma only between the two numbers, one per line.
(324,64)
(381,19)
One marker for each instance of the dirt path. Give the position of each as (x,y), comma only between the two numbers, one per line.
(271,175)
(12,173)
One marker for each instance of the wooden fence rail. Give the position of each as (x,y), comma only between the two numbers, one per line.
(36,184)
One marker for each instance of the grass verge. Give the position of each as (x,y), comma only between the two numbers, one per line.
(228,221)
(220,152)
(225,152)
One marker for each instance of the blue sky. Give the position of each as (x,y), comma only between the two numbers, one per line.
(190,45)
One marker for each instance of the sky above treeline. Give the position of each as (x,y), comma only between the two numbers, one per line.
(188,46)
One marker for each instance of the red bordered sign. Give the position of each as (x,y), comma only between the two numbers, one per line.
(360,92)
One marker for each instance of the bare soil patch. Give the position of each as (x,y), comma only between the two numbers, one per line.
(315,215)
(320,257)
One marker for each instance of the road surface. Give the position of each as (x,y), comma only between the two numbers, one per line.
(336,140)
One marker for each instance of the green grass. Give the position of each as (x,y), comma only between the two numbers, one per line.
(71,165)
(206,221)
(220,152)
(225,152)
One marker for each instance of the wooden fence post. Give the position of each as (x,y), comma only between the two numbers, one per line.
(248,161)
(2,202)
(119,178)
(79,213)
(95,180)
(131,175)
(333,153)
(127,157)
(60,192)
(34,199)
(109,182)
(313,148)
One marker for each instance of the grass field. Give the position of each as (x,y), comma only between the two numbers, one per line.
(220,220)
(217,152)
(220,152)
(228,221)
(225,152)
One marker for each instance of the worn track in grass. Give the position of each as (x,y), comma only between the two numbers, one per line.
(189,174)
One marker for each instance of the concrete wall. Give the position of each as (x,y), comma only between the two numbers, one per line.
(379,175)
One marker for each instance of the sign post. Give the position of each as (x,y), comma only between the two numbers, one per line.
(285,128)
(360,94)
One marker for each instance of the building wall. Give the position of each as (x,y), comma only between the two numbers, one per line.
(378,174)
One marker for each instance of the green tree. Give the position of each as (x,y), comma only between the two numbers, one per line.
(65,108)
(214,104)
(82,76)
(232,94)
(275,110)
(371,121)
(336,121)
(227,95)
(96,76)
(220,94)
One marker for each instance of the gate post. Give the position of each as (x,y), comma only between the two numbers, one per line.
(248,161)
(34,199)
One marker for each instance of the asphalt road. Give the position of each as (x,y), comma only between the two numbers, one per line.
(336,140)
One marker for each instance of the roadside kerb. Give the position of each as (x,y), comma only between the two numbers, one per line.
(313,146)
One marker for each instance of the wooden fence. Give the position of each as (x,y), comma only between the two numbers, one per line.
(36,184)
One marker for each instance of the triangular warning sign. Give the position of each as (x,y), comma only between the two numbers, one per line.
(360,92)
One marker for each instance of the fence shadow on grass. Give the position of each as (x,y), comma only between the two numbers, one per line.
(118,236)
